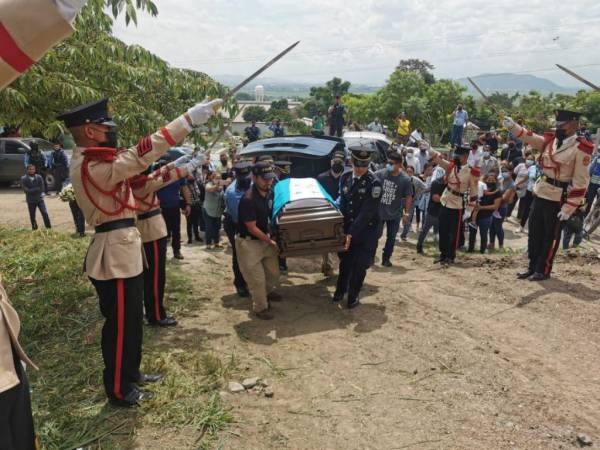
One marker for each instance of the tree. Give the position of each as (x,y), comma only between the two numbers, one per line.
(244,96)
(393,96)
(254,113)
(503,100)
(419,66)
(280,104)
(325,95)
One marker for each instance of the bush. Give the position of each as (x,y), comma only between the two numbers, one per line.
(254,113)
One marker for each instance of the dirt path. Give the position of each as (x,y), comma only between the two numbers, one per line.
(464,357)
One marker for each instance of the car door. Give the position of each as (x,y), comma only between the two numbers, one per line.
(14,155)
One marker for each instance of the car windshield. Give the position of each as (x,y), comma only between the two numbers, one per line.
(43,144)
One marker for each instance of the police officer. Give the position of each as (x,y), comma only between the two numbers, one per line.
(233,195)
(114,262)
(559,192)
(256,250)
(461,180)
(153,232)
(360,193)
(282,170)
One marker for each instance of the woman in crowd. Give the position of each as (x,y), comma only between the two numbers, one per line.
(212,210)
(507,188)
(488,203)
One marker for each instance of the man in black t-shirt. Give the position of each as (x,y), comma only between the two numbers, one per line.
(257,253)
(433,211)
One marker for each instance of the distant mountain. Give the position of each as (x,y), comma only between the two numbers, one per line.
(511,83)
(278,88)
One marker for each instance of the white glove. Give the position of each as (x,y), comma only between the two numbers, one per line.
(508,123)
(563,215)
(182,161)
(201,112)
(69,8)
(197,161)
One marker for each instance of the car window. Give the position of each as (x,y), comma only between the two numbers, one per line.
(14,148)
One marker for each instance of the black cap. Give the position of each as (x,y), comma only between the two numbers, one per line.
(265,158)
(395,156)
(242,169)
(264,170)
(361,155)
(283,165)
(95,112)
(461,150)
(338,154)
(562,116)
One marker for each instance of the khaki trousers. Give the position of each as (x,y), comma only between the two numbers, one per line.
(327,262)
(259,264)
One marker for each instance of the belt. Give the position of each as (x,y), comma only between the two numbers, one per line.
(556,183)
(115,225)
(149,214)
(452,191)
(249,238)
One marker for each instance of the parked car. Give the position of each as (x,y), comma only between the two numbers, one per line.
(377,141)
(12,159)
(309,155)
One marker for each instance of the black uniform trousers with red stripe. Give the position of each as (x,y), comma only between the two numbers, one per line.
(544,234)
(449,229)
(154,279)
(16,421)
(121,305)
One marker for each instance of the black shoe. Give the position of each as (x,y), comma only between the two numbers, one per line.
(420,250)
(82,234)
(283,268)
(263,315)
(538,276)
(198,238)
(386,263)
(243,292)
(337,297)
(439,260)
(146,378)
(274,297)
(353,303)
(132,399)
(190,241)
(524,275)
(177,255)
(166,322)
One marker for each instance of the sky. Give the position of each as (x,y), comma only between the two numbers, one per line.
(362,41)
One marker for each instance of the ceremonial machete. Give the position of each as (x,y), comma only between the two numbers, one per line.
(248,80)
(578,77)
(485,97)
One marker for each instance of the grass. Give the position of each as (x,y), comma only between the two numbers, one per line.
(61,323)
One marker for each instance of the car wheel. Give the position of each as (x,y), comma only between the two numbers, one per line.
(50,181)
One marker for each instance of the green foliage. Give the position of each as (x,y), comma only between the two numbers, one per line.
(254,113)
(418,66)
(244,96)
(144,91)
(298,127)
(279,104)
(322,97)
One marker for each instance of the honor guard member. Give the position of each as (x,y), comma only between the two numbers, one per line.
(282,170)
(28,29)
(257,252)
(233,195)
(360,194)
(114,261)
(153,232)
(559,192)
(461,179)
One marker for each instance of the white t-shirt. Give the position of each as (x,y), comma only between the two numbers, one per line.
(475,158)
(521,173)
(415,137)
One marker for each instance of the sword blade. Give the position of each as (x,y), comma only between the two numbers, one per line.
(578,77)
(485,97)
(259,71)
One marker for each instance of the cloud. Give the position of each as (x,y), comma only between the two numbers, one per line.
(363,41)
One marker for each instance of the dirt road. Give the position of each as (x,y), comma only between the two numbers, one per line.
(464,357)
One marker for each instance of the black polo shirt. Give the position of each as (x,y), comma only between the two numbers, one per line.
(253,208)
(437,188)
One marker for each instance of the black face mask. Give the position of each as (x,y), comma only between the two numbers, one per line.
(111,139)
(242,184)
(337,168)
(457,162)
(491,186)
(561,135)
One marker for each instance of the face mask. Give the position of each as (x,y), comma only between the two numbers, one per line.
(529,163)
(337,168)
(561,135)
(242,184)
(486,155)
(491,186)
(504,174)
(457,162)
(111,139)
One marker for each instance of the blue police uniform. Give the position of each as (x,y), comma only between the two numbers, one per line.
(359,203)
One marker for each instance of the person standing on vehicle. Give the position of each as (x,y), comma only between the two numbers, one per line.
(560,190)
(33,185)
(330,180)
(38,159)
(58,163)
(359,203)
(337,113)
(403,129)
(396,201)
(257,252)
(233,195)
(114,261)
(460,117)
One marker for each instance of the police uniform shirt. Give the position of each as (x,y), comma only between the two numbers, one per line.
(330,183)
(359,202)
(254,208)
(459,181)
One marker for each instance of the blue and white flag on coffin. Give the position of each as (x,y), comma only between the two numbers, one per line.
(292,189)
